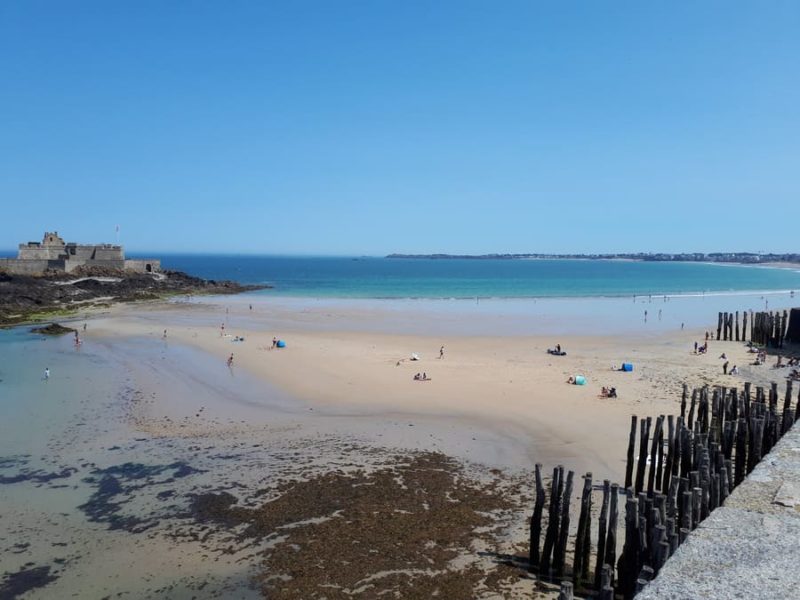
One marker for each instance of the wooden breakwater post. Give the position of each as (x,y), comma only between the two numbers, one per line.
(695,462)
(536,522)
(769,328)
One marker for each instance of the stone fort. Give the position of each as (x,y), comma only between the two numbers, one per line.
(54,254)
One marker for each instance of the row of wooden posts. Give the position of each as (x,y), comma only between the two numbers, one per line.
(766,328)
(694,464)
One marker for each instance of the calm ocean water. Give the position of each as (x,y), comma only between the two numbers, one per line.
(329,277)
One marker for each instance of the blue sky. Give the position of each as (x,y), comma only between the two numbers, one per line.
(375,127)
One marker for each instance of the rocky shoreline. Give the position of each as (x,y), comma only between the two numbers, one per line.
(25,298)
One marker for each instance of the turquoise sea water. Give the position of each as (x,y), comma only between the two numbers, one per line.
(329,277)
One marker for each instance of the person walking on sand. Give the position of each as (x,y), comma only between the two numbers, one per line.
(165,334)
(47,373)
(725,368)
(441,352)
(274,342)
(230,360)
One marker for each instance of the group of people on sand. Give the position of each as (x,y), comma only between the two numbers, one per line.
(608,392)
(701,349)
(422,377)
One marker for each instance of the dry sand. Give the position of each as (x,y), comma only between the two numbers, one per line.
(507,389)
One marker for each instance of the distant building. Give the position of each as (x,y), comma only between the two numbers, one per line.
(53,254)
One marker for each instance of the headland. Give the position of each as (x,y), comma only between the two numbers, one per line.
(53,278)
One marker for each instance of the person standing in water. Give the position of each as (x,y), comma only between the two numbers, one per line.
(47,373)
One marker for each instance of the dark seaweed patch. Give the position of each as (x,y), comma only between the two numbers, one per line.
(37,476)
(18,460)
(394,532)
(14,585)
(116,485)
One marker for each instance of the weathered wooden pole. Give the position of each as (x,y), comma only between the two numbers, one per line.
(665,482)
(561,542)
(788,415)
(684,396)
(611,536)
(566,591)
(631,446)
(536,521)
(629,560)
(737,325)
(657,439)
(582,540)
(744,326)
(552,521)
(719,326)
(644,435)
(601,533)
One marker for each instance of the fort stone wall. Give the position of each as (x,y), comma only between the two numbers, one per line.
(142,266)
(53,254)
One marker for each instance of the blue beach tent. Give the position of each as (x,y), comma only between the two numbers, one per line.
(627,367)
(580,380)
(281,344)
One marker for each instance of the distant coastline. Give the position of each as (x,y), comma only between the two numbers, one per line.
(744,258)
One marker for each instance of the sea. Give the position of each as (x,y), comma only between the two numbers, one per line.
(398,278)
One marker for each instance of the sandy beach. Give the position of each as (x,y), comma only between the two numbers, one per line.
(156,435)
(507,387)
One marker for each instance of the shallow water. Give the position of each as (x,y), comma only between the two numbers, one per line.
(372,277)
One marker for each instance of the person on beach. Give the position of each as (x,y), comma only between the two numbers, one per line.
(695,347)
(274,342)
(723,357)
(222,330)
(659,314)
(681,326)
(441,352)
(230,360)
(47,373)
(417,377)
(735,370)
(645,316)
(84,326)
(424,376)
(725,368)
(165,334)
(251,307)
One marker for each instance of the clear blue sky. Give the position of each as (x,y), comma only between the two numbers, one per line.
(370,127)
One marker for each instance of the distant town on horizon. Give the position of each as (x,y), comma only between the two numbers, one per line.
(720,257)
